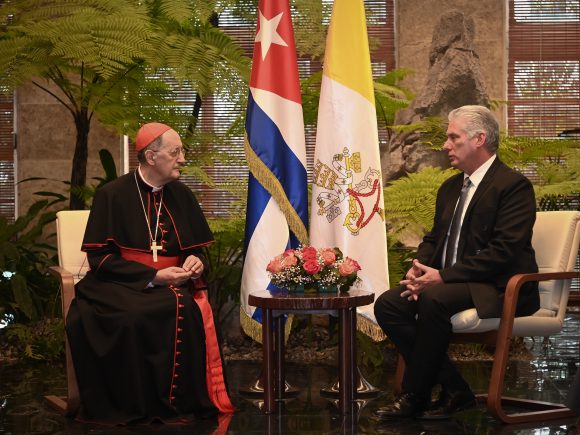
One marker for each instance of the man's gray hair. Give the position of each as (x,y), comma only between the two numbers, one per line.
(479,119)
(154,146)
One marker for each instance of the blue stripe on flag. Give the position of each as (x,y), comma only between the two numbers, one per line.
(258,198)
(266,140)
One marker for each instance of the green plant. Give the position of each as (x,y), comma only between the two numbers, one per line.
(224,259)
(110,174)
(40,340)
(114,60)
(399,259)
(431,130)
(85,192)
(26,291)
(368,353)
(410,204)
(389,97)
(553,165)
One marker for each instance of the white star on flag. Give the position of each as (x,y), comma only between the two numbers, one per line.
(268,34)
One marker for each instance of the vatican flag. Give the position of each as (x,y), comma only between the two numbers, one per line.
(347,208)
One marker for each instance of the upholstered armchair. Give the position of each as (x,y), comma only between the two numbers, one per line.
(556,238)
(70,229)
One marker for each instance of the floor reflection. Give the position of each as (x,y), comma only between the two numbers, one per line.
(545,377)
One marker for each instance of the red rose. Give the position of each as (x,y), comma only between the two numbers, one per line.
(311,267)
(275,265)
(328,256)
(309,253)
(289,260)
(348,267)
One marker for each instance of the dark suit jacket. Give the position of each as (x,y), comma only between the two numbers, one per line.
(495,239)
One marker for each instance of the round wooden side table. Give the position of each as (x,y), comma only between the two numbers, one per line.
(274,305)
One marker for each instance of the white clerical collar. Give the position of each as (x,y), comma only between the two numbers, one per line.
(480,172)
(154,188)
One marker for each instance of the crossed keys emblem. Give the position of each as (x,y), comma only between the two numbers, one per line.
(338,181)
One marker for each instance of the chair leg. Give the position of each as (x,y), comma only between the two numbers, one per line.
(495,401)
(74,398)
(70,404)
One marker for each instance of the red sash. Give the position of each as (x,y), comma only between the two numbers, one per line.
(216,387)
(146,258)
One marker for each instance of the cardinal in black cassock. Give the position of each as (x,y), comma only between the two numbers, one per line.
(141,329)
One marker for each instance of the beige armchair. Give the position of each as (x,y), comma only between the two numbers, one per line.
(70,229)
(556,238)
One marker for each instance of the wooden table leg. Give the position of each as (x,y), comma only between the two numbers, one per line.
(354,372)
(268,371)
(345,376)
(280,374)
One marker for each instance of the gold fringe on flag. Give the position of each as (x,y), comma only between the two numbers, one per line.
(267,179)
(369,328)
(253,329)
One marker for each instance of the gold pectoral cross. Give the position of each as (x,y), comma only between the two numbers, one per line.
(154,249)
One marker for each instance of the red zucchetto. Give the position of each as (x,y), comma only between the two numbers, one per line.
(148,133)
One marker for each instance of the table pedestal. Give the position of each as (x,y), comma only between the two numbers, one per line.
(273,340)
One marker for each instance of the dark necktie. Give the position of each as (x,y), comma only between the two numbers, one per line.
(456,224)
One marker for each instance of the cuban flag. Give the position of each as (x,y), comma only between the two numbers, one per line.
(347,190)
(277,208)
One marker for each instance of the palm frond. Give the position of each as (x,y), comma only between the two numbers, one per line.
(516,150)
(175,10)
(410,203)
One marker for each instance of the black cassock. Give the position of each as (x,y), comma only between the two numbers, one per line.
(139,350)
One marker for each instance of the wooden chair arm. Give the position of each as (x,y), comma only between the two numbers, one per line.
(513,290)
(517,281)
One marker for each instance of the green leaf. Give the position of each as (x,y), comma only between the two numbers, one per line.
(108,163)
(51,194)
(8,254)
(22,296)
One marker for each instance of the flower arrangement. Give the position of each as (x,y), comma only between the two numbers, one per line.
(310,268)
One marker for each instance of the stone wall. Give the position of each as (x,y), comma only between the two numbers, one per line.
(46,137)
(415,21)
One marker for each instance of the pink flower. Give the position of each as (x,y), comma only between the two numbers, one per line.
(309,253)
(311,267)
(289,260)
(348,267)
(328,256)
(288,252)
(275,265)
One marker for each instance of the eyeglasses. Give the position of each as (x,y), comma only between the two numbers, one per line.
(175,152)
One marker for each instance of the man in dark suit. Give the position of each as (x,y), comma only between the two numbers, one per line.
(481,236)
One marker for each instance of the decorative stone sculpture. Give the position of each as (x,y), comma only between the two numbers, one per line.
(453,80)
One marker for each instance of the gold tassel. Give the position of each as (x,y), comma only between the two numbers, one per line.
(253,329)
(267,179)
(370,328)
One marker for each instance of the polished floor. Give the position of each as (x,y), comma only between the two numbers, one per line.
(546,376)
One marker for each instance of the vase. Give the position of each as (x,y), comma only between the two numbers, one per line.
(330,288)
(297,289)
(312,288)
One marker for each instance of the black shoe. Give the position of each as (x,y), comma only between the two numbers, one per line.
(405,405)
(449,404)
